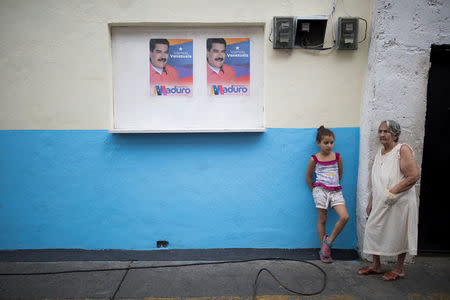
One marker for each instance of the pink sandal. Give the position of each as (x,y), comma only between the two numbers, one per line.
(325,251)
(325,259)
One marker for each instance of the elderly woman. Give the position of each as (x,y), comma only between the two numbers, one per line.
(391,227)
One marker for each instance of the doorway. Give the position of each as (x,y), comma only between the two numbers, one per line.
(434,210)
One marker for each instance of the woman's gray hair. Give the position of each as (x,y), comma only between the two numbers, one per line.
(394,128)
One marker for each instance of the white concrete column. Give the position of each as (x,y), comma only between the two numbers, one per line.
(402,32)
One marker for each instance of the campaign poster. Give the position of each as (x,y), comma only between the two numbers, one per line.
(171,67)
(228,66)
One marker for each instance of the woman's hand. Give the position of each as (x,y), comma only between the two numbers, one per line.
(390,197)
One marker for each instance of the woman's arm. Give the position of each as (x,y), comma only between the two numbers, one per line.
(409,168)
(309,172)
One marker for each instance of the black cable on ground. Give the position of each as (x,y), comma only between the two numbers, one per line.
(123,279)
(324,282)
(255,284)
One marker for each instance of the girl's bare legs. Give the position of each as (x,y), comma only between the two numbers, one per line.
(321,222)
(340,224)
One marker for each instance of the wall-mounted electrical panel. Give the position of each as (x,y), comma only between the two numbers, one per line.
(347,35)
(310,31)
(283,32)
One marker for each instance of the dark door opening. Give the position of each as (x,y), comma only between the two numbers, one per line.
(434,210)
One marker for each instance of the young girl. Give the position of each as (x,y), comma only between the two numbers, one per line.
(326,190)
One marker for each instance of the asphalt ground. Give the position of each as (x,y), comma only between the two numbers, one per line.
(426,278)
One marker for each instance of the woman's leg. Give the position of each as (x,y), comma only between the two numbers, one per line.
(342,212)
(376,265)
(399,265)
(374,268)
(397,271)
(321,222)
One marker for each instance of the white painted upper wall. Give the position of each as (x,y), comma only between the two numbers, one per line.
(56,69)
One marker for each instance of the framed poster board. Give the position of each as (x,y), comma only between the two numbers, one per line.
(187,79)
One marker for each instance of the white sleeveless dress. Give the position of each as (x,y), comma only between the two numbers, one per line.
(390,229)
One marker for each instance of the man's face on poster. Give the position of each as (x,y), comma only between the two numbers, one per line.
(159,55)
(216,55)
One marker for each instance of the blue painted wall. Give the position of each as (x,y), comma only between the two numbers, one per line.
(94,190)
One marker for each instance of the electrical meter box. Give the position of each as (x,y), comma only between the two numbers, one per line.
(347,35)
(283,32)
(310,31)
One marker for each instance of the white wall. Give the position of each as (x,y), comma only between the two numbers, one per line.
(55,58)
(396,80)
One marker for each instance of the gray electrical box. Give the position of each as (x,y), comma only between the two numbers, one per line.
(347,36)
(283,32)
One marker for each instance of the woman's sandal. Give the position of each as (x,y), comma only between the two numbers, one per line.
(368,271)
(391,275)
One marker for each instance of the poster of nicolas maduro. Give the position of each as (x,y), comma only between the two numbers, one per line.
(228,66)
(171,67)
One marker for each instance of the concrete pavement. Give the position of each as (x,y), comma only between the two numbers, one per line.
(427,278)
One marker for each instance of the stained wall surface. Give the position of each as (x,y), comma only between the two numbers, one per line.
(68,183)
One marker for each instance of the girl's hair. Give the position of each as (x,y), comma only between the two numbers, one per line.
(321,132)
(394,128)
